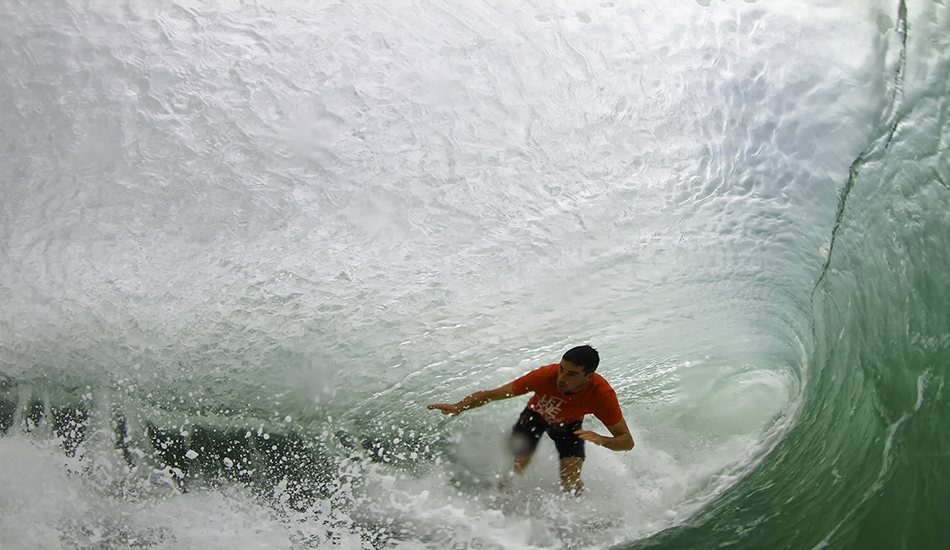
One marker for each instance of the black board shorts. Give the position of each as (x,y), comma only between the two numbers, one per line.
(526,433)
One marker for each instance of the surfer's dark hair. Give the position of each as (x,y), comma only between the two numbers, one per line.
(585,357)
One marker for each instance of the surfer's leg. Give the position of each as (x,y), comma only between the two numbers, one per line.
(570,449)
(571,475)
(525,435)
(524,439)
(521,463)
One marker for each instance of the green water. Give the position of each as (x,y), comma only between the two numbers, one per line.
(866,464)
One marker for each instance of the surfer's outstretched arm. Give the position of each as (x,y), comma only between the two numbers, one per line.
(477,399)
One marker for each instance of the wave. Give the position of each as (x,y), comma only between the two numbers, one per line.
(244,246)
(860,469)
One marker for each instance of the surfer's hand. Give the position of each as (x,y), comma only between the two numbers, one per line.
(453,410)
(593,437)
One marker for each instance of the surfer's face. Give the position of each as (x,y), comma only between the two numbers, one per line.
(571,378)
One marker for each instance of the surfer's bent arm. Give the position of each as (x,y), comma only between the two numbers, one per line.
(477,399)
(621,440)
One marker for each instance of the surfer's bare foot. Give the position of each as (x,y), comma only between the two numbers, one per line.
(575,490)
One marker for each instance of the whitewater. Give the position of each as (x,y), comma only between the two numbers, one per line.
(243,244)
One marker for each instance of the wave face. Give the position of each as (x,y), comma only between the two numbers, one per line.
(244,245)
(865,465)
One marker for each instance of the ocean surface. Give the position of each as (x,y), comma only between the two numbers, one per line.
(243,244)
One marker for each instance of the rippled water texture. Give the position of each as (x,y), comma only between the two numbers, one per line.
(244,244)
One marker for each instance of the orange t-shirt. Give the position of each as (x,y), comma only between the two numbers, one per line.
(558,409)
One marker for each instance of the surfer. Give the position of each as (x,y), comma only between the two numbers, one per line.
(564,393)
